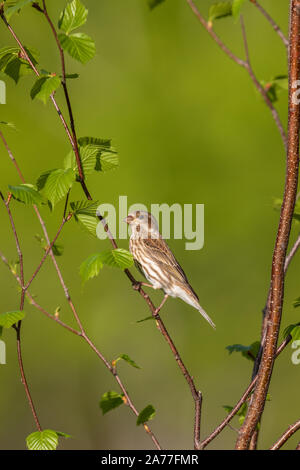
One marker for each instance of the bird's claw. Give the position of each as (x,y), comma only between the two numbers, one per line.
(137,285)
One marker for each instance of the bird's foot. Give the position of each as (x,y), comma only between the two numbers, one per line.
(137,285)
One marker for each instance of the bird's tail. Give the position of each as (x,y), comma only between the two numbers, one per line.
(204,314)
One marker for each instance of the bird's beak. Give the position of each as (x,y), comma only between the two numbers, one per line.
(128,219)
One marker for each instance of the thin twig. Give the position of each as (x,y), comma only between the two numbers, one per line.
(82,333)
(64,85)
(160,324)
(272,23)
(286,435)
(242,63)
(18,326)
(70,137)
(242,400)
(64,221)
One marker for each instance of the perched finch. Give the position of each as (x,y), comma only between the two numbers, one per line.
(156,262)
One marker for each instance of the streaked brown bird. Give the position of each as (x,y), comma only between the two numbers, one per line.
(156,262)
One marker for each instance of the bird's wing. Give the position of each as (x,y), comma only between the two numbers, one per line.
(158,250)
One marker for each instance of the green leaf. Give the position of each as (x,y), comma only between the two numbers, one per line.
(8,124)
(107,161)
(44,87)
(14,65)
(79,45)
(57,249)
(72,75)
(88,223)
(88,157)
(154,3)
(84,207)
(73,16)
(26,193)
(274,86)
(10,10)
(57,184)
(42,180)
(110,400)
(85,213)
(106,156)
(249,352)
(9,319)
(118,258)
(293,330)
(219,10)
(236,8)
(42,440)
(91,267)
(102,144)
(145,415)
(63,434)
(241,413)
(126,358)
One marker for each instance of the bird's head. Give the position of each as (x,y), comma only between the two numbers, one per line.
(143,224)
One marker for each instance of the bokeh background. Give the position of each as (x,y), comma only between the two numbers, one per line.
(190,128)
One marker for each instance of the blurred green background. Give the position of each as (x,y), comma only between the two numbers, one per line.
(190,128)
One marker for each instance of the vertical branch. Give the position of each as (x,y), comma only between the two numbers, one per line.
(17,327)
(72,138)
(65,88)
(278,262)
(23,377)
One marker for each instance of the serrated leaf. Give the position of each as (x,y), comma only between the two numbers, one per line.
(236,8)
(106,157)
(88,223)
(11,10)
(85,207)
(57,184)
(88,157)
(9,319)
(102,144)
(91,267)
(85,214)
(26,193)
(44,87)
(107,161)
(154,3)
(118,258)
(12,63)
(130,361)
(219,10)
(145,415)
(42,440)
(293,330)
(249,352)
(79,46)
(109,401)
(73,16)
